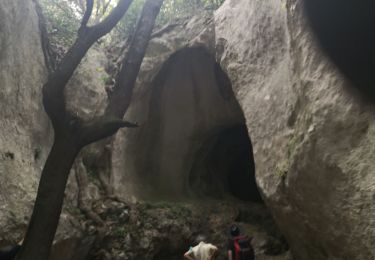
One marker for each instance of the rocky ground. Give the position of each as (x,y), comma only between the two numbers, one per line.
(165,230)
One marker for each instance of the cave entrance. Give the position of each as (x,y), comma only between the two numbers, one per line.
(195,139)
(225,165)
(224,162)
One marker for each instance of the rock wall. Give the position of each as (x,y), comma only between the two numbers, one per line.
(25,132)
(172,103)
(192,135)
(313,141)
(24,129)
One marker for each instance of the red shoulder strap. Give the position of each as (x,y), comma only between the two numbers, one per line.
(239,238)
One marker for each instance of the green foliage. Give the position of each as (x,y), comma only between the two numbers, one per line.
(292,146)
(120,231)
(171,9)
(282,169)
(174,209)
(73,210)
(63,16)
(107,80)
(62,20)
(127,24)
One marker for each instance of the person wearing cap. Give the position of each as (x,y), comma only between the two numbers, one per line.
(239,246)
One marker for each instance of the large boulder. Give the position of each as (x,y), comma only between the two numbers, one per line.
(314,142)
(24,128)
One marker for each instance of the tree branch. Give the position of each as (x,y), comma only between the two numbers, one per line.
(120,99)
(87,15)
(100,128)
(72,133)
(53,90)
(112,19)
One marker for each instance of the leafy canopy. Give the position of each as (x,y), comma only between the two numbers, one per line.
(64,16)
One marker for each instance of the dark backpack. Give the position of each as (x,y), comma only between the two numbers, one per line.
(242,248)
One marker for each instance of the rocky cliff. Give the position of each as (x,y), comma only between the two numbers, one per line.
(207,86)
(184,105)
(313,140)
(24,133)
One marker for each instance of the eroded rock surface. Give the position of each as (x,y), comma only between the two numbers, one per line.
(183,101)
(24,128)
(313,140)
(25,132)
(86,94)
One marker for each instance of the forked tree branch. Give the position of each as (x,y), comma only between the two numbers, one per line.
(100,128)
(87,15)
(53,91)
(72,133)
(119,101)
(125,82)
(112,19)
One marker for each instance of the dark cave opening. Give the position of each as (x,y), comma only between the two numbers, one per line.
(239,168)
(345,31)
(225,165)
(196,143)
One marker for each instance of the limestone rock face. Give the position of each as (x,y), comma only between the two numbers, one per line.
(181,99)
(313,141)
(86,94)
(24,128)
(25,132)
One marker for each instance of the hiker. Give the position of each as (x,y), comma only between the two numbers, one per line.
(202,251)
(239,247)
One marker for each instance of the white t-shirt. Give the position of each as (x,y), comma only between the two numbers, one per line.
(202,251)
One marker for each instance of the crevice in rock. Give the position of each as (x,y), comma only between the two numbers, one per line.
(50,56)
(9,155)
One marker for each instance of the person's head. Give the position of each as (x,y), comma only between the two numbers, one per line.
(200,238)
(234,230)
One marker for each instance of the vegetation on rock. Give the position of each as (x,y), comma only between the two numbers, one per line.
(63,16)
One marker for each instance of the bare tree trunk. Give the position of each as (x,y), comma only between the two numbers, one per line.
(48,204)
(72,133)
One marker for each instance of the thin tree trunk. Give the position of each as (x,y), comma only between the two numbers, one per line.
(72,133)
(49,201)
